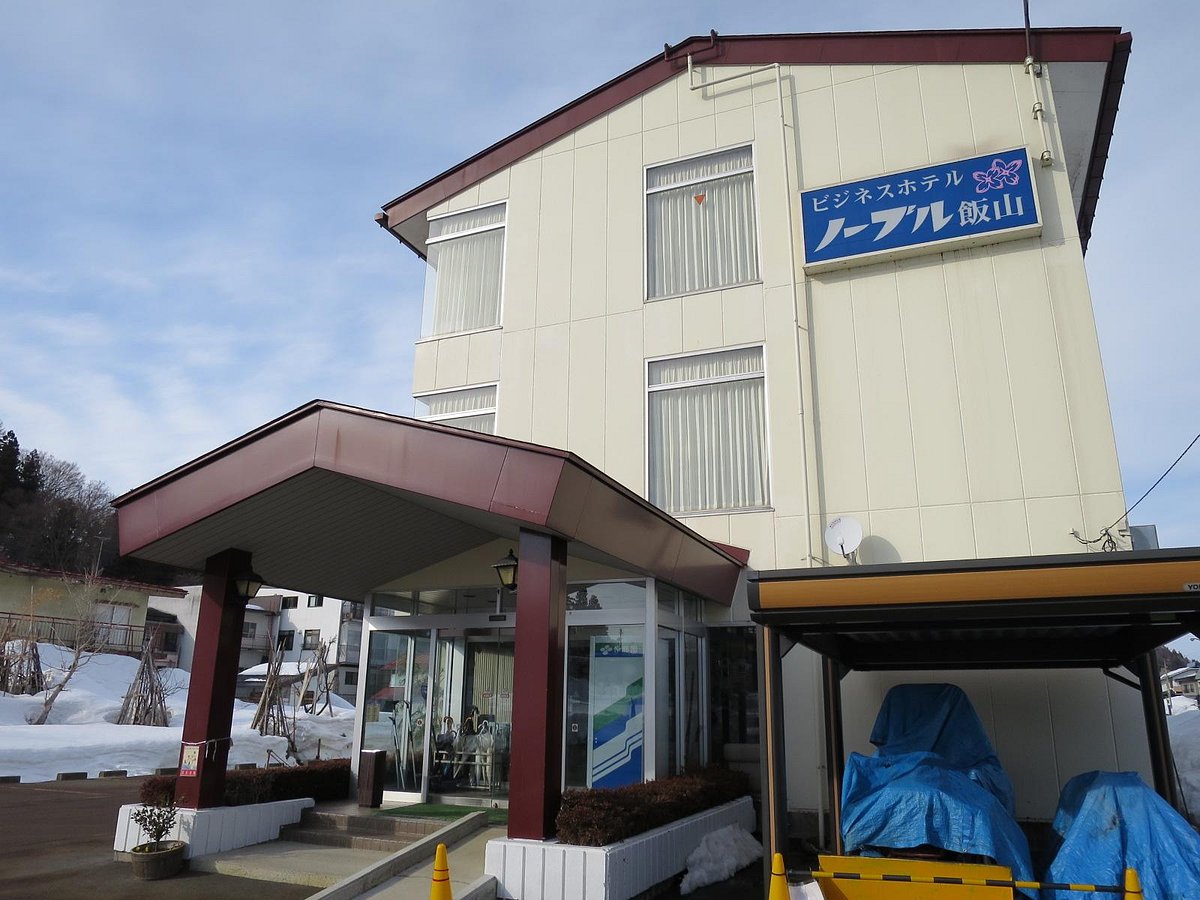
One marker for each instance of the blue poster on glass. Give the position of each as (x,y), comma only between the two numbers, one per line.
(969,202)
(616,713)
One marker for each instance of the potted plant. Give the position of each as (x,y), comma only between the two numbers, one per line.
(159,858)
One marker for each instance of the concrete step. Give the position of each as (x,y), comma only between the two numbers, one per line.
(289,863)
(351,838)
(411,829)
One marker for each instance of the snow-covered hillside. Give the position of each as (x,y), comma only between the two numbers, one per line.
(1184,728)
(81,735)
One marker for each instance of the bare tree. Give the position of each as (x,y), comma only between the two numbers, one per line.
(89,633)
(146,701)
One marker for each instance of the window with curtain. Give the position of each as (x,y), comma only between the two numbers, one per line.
(465,258)
(473,409)
(707,432)
(700,224)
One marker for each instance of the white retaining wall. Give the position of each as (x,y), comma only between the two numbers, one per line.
(215,830)
(537,870)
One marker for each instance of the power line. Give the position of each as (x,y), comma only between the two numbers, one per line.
(1156,484)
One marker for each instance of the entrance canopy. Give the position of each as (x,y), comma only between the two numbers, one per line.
(1095,610)
(338,500)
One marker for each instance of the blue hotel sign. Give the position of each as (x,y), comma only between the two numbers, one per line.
(969,202)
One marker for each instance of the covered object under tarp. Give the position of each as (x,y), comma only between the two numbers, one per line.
(1095,610)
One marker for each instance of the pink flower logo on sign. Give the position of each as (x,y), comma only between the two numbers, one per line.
(999,175)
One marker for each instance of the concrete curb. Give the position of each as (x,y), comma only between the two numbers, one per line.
(483,888)
(403,860)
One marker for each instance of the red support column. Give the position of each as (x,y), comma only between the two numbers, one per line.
(535,769)
(209,716)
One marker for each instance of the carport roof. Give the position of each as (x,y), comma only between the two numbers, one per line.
(1093,609)
(338,500)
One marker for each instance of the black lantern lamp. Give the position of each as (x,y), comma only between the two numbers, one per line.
(506,571)
(247,584)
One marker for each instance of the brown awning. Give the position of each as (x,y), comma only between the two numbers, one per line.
(1093,609)
(338,500)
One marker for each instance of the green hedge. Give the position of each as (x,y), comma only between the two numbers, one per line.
(324,780)
(600,816)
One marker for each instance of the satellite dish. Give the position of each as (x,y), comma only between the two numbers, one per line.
(843,535)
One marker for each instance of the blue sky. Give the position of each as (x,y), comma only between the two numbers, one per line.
(187,247)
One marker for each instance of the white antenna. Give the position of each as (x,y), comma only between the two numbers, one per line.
(843,535)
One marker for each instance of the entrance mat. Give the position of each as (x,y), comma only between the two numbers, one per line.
(444,811)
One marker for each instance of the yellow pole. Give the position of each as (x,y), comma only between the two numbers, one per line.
(1133,885)
(779,886)
(440,889)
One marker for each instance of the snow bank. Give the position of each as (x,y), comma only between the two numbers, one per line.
(81,736)
(722,853)
(1184,727)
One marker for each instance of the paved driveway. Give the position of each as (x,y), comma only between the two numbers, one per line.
(57,842)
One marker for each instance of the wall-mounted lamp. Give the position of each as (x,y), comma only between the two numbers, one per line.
(506,571)
(247,584)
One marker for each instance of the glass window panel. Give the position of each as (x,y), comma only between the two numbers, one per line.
(462,284)
(451,402)
(705,366)
(605,702)
(668,598)
(607,595)
(394,711)
(732,690)
(445,226)
(708,448)
(702,234)
(691,701)
(666,737)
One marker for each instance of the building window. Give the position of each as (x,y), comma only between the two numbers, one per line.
(349,679)
(289,602)
(315,600)
(249,629)
(285,640)
(700,224)
(707,432)
(466,267)
(473,409)
(170,642)
(312,637)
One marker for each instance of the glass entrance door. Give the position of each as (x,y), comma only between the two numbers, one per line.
(473,699)
(394,714)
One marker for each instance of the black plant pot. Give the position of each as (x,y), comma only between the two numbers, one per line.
(154,861)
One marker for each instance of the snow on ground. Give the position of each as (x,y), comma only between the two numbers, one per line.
(81,735)
(1184,727)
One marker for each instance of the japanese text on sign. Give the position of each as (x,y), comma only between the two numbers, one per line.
(986,195)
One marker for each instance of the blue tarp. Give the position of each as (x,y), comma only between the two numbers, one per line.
(934,780)
(1110,821)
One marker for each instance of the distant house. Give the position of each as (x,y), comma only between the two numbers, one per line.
(50,605)
(1182,682)
(293,621)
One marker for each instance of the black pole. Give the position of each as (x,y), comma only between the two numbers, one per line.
(835,753)
(773,766)
(1162,762)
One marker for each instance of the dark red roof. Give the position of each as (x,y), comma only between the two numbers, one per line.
(158,590)
(1005,45)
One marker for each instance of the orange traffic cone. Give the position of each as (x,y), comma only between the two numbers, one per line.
(1133,885)
(440,889)
(779,885)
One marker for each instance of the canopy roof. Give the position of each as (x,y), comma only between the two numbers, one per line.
(338,500)
(1094,609)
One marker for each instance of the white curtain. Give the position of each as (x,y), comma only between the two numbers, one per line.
(708,441)
(701,235)
(463,286)
(466,401)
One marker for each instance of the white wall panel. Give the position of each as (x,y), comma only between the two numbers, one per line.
(425,366)
(938,450)
(860,146)
(554,240)
(773,206)
(664,327)
(660,106)
(465,200)
(625,120)
(1024,741)
(702,321)
(625,244)
(1035,373)
(594,132)
(589,232)
(989,432)
(696,104)
(551,360)
(452,361)
(995,117)
(817,138)
(697,136)
(483,357)
(494,187)
(514,417)
(660,145)
(733,94)
(735,126)
(587,391)
(883,387)
(841,461)
(1079,705)
(742,313)
(521,244)
(1001,529)
(624,440)
(901,119)
(1051,520)
(755,530)
(948,532)
(893,536)
(946,113)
